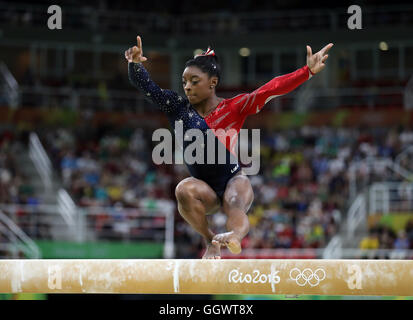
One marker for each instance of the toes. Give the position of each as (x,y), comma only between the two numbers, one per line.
(219,242)
(212,257)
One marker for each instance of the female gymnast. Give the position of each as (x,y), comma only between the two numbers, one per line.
(212,186)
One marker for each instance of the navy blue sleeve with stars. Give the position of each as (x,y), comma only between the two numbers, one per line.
(180,111)
(166,100)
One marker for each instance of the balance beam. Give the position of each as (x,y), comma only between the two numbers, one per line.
(231,276)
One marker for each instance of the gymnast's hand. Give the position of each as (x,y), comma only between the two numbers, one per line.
(135,54)
(316,62)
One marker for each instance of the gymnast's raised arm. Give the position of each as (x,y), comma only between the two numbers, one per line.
(166,100)
(252,103)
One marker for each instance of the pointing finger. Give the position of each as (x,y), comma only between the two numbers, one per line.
(139,40)
(326,48)
(309,52)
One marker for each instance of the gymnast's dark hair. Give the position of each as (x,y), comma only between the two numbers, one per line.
(206,63)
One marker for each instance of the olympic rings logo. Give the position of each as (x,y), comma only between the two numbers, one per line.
(307,276)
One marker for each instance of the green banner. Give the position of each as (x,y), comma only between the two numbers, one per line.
(100,250)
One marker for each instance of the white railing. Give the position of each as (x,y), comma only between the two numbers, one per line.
(67,208)
(405,156)
(9,86)
(65,205)
(19,241)
(356,214)
(391,197)
(375,166)
(41,161)
(169,247)
(379,200)
(371,164)
(334,248)
(137,223)
(96,223)
(406,174)
(124,222)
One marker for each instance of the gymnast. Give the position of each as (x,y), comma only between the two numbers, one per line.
(219,185)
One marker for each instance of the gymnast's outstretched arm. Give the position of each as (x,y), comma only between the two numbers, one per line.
(166,100)
(253,102)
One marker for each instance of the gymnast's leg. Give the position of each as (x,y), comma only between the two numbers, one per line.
(237,200)
(195,200)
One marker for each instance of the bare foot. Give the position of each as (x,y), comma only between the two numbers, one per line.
(230,240)
(213,251)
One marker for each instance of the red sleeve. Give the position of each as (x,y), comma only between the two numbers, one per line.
(253,102)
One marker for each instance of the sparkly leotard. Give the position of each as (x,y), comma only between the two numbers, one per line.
(229,114)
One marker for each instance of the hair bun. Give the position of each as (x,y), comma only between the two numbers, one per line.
(207,62)
(208,52)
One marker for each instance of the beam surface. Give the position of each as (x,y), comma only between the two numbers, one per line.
(230,276)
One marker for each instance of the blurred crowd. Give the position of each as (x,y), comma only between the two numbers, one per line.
(15,187)
(382,237)
(303,188)
(108,166)
(76,89)
(301,192)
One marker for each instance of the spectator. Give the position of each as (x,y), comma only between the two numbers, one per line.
(401,242)
(371,241)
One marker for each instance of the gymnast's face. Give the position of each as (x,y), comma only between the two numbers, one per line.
(197,84)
